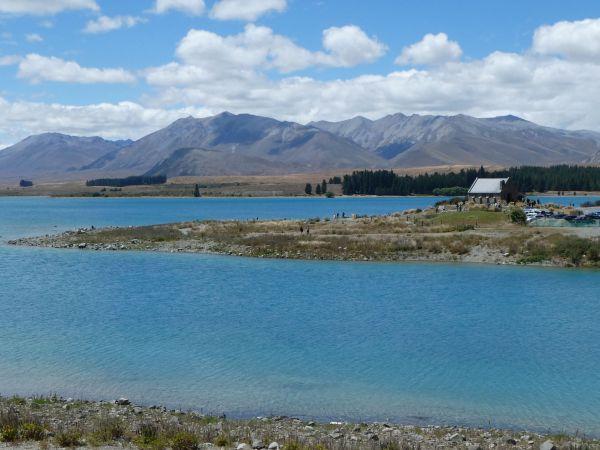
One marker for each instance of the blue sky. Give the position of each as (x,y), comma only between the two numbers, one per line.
(143,63)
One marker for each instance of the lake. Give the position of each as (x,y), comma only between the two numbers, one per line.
(416,343)
(565,200)
(20,216)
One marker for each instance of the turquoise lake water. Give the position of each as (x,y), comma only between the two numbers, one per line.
(565,200)
(417,343)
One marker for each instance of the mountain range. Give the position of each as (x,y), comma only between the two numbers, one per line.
(244,144)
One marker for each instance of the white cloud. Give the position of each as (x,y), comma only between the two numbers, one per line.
(9,60)
(213,73)
(248,10)
(432,49)
(578,40)
(112,121)
(349,46)
(232,73)
(37,68)
(255,47)
(44,7)
(34,38)
(104,24)
(209,56)
(193,7)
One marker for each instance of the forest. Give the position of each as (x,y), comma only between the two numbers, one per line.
(129,181)
(527,178)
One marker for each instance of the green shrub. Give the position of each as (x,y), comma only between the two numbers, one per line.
(222,441)
(32,431)
(107,430)
(147,432)
(517,215)
(9,433)
(68,438)
(185,441)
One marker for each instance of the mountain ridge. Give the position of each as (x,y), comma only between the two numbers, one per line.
(246,144)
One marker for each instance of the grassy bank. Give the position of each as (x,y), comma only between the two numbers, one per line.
(473,236)
(55,422)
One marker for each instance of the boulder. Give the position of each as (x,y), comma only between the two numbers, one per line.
(548,445)
(273,446)
(122,401)
(243,447)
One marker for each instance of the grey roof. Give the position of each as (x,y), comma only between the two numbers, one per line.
(487,185)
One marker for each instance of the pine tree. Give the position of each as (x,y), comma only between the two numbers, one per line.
(196,191)
(308,189)
(324,187)
(318,189)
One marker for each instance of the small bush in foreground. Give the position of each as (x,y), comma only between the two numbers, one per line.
(32,432)
(9,433)
(107,430)
(69,438)
(185,441)
(222,441)
(517,215)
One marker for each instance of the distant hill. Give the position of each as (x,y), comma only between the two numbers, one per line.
(229,144)
(244,144)
(413,141)
(53,153)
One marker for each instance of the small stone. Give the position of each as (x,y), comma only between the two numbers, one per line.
(455,438)
(548,445)
(122,401)
(243,447)
(82,245)
(257,444)
(273,446)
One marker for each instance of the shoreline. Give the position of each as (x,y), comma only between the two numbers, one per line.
(479,237)
(51,422)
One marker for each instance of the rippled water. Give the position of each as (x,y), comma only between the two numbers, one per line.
(423,343)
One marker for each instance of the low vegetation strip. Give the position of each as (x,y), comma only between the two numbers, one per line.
(58,422)
(479,236)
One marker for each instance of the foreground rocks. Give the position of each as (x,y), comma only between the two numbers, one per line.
(56,422)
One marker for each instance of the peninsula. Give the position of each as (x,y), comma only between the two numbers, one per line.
(476,235)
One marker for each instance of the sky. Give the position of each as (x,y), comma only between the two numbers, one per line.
(124,68)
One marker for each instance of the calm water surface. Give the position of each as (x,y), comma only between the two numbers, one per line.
(422,343)
(21,216)
(565,200)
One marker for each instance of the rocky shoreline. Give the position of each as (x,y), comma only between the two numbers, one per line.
(475,237)
(53,422)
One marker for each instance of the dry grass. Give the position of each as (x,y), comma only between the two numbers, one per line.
(476,236)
